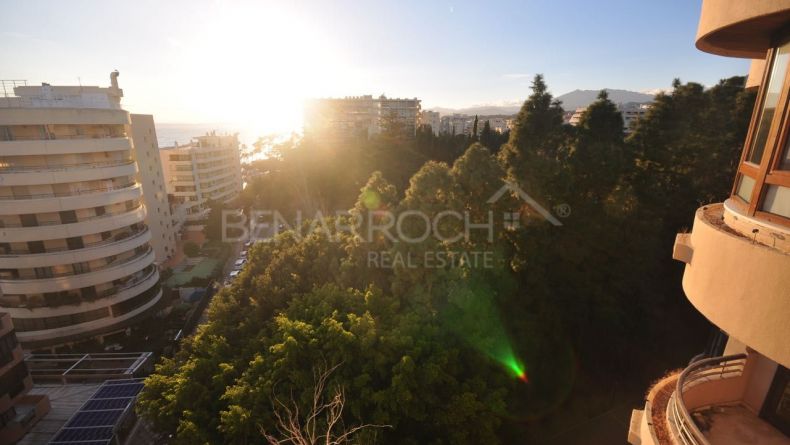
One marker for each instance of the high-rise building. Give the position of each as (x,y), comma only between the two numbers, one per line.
(431,118)
(206,169)
(18,411)
(737,261)
(75,257)
(149,174)
(360,117)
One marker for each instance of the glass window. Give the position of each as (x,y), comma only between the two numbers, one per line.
(784,161)
(777,200)
(772,92)
(745,187)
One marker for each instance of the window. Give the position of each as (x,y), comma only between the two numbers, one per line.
(68,217)
(100,210)
(43,272)
(28,220)
(75,243)
(35,246)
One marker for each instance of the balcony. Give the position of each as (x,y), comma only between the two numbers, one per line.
(64,145)
(67,281)
(122,242)
(79,199)
(711,402)
(737,276)
(56,174)
(88,226)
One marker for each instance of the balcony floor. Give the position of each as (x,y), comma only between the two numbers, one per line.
(736,425)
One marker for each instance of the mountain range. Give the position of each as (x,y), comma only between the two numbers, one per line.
(570,101)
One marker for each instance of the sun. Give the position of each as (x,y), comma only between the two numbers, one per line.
(255,64)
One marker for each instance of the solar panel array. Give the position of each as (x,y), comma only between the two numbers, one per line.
(95,422)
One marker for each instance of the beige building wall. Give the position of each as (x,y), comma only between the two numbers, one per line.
(151,177)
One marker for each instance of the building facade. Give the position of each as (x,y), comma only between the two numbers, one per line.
(737,261)
(431,118)
(18,411)
(360,117)
(206,169)
(149,174)
(75,257)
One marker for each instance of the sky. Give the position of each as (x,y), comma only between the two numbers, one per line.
(253,63)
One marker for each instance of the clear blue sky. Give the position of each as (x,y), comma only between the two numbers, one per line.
(255,62)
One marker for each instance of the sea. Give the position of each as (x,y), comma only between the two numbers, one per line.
(168,134)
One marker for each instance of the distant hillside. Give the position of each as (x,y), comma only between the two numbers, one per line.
(582,98)
(570,101)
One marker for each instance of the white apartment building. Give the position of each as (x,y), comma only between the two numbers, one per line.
(207,168)
(149,174)
(630,111)
(75,255)
(464,124)
(433,119)
(360,116)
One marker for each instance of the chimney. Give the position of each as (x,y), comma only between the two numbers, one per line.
(114,79)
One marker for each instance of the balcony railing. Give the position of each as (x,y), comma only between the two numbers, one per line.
(59,167)
(12,225)
(699,373)
(71,273)
(116,239)
(70,193)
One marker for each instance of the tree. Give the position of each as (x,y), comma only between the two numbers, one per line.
(320,424)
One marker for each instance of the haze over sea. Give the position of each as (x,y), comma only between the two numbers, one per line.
(168,134)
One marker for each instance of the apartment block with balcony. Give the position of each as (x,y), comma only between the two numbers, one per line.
(19,411)
(346,118)
(737,261)
(75,257)
(206,169)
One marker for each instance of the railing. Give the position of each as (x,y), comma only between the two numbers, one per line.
(69,194)
(72,273)
(129,236)
(59,167)
(699,373)
(15,225)
(76,300)
(56,137)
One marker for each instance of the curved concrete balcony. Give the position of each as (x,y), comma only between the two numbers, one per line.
(82,200)
(74,116)
(64,146)
(101,249)
(713,401)
(117,295)
(740,28)
(87,329)
(68,282)
(89,226)
(738,282)
(67,173)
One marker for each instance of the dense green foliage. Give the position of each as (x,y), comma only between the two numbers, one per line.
(430,350)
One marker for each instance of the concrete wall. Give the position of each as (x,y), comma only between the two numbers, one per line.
(740,28)
(152,179)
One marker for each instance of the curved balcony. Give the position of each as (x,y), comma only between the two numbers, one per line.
(57,174)
(88,226)
(54,257)
(82,199)
(114,295)
(82,144)
(71,281)
(705,383)
(740,28)
(713,401)
(33,339)
(739,282)
(19,115)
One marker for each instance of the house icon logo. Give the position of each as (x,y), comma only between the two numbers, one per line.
(512,218)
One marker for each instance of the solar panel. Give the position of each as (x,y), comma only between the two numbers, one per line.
(100,404)
(94,423)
